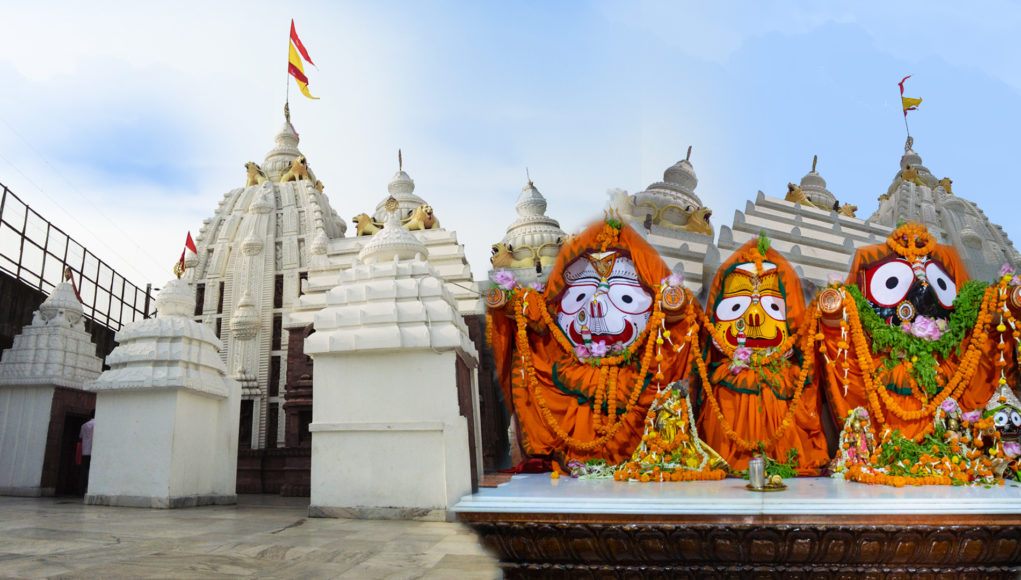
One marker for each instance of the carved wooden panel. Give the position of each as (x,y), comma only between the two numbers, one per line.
(726,550)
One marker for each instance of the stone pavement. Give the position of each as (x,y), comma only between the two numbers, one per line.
(261,537)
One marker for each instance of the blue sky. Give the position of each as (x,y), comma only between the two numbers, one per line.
(125,124)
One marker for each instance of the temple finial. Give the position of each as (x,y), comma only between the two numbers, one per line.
(909,143)
(400,161)
(67,273)
(688,156)
(529,177)
(287,112)
(815,159)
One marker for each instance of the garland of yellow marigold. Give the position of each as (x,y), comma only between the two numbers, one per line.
(911,232)
(992,300)
(808,339)
(608,374)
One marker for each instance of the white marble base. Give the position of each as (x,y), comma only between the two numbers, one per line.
(538,493)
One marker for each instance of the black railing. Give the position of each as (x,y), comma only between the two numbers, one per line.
(36,252)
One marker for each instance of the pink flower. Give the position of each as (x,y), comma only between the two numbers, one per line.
(925,328)
(674,280)
(581,351)
(949,406)
(739,362)
(537,286)
(598,349)
(504,279)
(1006,270)
(971,416)
(1011,449)
(618,347)
(1015,281)
(743,354)
(834,279)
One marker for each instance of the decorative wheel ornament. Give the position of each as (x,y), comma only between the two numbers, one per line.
(1014,300)
(496,298)
(830,301)
(673,298)
(906,311)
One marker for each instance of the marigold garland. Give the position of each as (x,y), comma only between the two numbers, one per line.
(911,233)
(610,368)
(808,338)
(993,299)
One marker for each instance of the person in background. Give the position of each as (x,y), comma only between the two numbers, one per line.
(85,435)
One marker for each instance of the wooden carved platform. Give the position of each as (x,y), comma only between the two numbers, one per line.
(818,528)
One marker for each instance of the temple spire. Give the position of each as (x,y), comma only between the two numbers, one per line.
(688,156)
(815,159)
(400,161)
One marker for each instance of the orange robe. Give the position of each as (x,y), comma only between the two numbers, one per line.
(568,386)
(897,381)
(754,409)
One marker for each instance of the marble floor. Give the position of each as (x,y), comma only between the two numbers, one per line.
(261,537)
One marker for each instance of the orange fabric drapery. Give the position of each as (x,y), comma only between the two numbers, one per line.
(897,380)
(754,407)
(568,386)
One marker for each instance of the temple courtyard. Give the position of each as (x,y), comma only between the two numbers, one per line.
(262,536)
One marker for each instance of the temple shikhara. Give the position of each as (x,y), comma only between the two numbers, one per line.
(616,397)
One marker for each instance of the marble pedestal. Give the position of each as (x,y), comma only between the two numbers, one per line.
(387,439)
(164,448)
(816,528)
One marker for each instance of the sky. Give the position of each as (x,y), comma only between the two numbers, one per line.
(124,123)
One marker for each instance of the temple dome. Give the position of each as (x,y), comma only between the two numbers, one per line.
(814,187)
(393,241)
(402,189)
(681,174)
(534,234)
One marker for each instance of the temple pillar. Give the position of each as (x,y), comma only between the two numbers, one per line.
(388,437)
(166,414)
(42,406)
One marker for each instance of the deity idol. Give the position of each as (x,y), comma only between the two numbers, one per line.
(757,372)
(908,330)
(581,361)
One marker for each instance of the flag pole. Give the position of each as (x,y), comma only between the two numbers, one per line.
(287,91)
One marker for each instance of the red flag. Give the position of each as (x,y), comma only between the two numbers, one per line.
(299,45)
(907,103)
(190,244)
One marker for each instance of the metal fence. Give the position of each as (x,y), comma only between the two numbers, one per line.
(36,252)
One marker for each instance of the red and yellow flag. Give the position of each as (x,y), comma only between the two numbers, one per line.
(294,66)
(189,245)
(908,103)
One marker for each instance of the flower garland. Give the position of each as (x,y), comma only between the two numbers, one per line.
(970,302)
(650,461)
(911,234)
(993,299)
(808,341)
(608,375)
(941,457)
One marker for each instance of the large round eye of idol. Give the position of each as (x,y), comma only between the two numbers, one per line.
(732,308)
(630,298)
(941,283)
(576,297)
(1015,419)
(775,307)
(1001,418)
(888,283)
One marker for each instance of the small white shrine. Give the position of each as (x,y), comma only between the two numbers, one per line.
(54,352)
(166,414)
(389,438)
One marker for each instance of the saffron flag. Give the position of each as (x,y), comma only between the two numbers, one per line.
(189,244)
(294,66)
(908,103)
